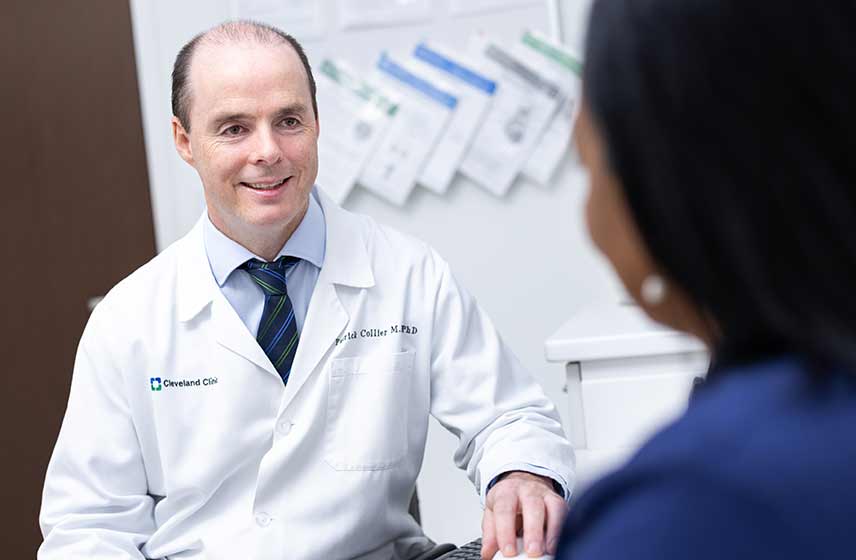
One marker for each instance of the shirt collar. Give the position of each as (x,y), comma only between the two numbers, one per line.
(308,242)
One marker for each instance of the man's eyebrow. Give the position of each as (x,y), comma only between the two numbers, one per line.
(292,109)
(221,118)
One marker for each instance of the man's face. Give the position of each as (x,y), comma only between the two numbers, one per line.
(253,138)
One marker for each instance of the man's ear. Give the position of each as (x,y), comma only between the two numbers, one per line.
(182,141)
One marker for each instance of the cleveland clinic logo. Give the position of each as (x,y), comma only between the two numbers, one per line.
(158,384)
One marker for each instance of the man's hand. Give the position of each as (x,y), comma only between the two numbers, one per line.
(522,498)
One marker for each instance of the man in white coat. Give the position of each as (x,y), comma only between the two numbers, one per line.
(214,415)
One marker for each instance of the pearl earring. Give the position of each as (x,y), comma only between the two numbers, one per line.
(653,289)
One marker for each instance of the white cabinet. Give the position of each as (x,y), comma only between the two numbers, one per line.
(626,377)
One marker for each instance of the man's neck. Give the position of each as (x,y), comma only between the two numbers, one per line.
(265,242)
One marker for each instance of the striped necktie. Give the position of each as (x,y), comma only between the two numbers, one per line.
(277,333)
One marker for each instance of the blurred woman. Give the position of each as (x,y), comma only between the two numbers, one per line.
(719,137)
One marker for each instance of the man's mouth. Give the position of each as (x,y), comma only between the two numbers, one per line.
(266,185)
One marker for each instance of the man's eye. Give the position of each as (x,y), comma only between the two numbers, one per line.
(233,130)
(290,122)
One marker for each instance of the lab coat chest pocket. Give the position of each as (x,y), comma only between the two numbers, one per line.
(367,411)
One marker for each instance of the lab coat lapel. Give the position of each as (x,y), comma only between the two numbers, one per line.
(231,333)
(325,320)
(346,265)
(197,288)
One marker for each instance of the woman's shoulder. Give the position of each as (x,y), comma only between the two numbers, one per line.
(768,441)
(754,412)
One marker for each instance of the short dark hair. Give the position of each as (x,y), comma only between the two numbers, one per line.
(231,31)
(731,125)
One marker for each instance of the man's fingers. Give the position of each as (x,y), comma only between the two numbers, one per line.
(505,520)
(557,509)
(489,546)
(527,501)
(533,509)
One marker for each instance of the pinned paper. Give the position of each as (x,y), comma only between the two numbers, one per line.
(563,67)
(373,13)
(522,107)
(356,115)
(393,168)
(463,7)
(474,91)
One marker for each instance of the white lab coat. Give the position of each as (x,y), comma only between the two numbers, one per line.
(225,462)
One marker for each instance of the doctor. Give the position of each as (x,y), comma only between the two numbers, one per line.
(261,389)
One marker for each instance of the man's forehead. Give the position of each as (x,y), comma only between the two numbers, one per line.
(222,59)
(224,74)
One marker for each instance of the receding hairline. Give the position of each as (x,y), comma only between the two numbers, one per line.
(237,33)
(205,47)
(233,33)
(242,31)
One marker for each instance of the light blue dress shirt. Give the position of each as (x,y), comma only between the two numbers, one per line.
(308,243)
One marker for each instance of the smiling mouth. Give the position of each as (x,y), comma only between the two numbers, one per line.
(266,186)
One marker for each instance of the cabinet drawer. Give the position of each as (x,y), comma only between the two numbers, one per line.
(622,402)
(624,412)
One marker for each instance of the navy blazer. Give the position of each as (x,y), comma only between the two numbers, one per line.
(762,465)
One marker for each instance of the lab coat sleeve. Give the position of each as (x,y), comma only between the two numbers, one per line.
(95,502)
(483,395)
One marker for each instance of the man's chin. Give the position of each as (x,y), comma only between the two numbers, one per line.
(274,219)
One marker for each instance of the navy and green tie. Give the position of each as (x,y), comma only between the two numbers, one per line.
(277,333)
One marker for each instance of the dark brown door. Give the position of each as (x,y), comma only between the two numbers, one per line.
(75,217)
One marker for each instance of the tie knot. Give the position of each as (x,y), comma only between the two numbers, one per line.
(270,276)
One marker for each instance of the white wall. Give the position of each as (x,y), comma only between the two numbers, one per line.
(540,230)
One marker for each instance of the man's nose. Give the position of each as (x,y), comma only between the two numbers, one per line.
(266,150)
